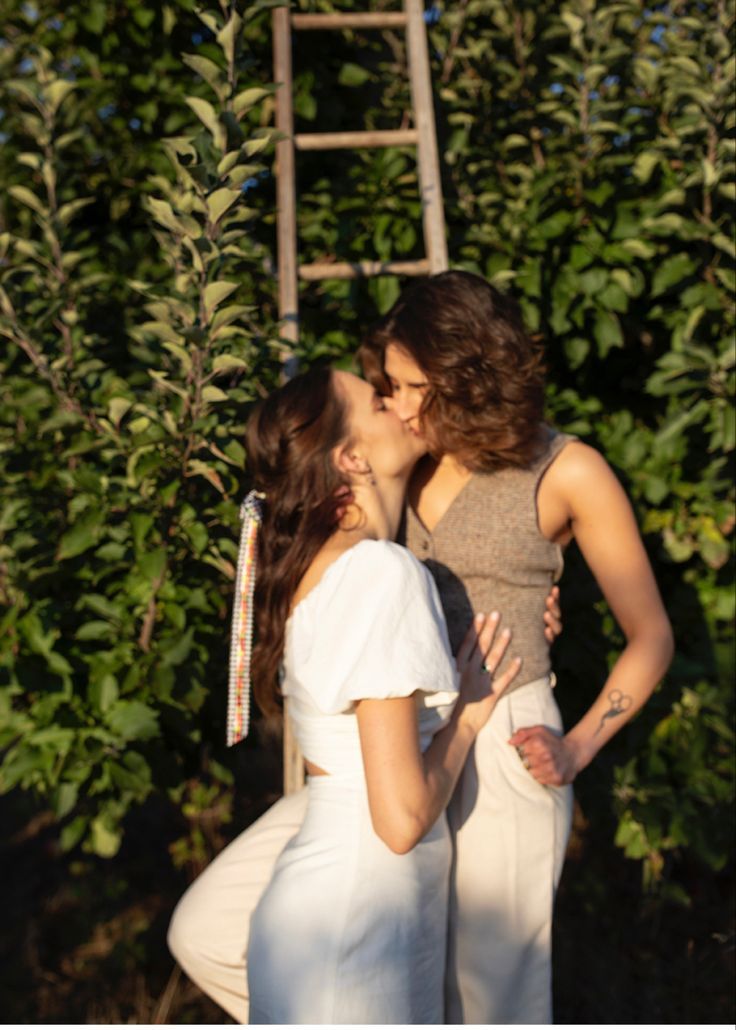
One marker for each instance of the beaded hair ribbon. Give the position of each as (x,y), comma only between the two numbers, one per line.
(241,634)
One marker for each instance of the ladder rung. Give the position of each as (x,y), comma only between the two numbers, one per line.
(361,269)
(355,140)
(349,21)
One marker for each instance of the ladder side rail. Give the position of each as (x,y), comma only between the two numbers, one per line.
(285,178)
(430,181)
(293,763)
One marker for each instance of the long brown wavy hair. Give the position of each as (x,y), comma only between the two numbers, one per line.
(485,401)
(289,440)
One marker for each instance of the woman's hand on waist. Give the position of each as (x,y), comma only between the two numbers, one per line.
(480,655)
(552,760)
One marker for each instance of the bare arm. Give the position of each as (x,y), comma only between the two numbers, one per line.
(581,492)
(408,790)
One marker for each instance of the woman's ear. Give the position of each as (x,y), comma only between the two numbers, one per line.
(351,463)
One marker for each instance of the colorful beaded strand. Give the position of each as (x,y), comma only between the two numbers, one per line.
(241,635)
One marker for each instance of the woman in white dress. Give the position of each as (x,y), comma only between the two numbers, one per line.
(352,927)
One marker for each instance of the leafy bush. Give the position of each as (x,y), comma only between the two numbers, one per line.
(588,155)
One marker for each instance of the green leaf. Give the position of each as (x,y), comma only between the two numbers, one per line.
(198,535)
(105,838)
(210,72)
(556,225)
(221,201)
(178,650)
(607,332)
(645,164)
(103,692)
(143,16)
(65,798)
(95,630)
(593,280)
(208,116)
(152,565)
(613,298)
(216,292)
(226,36)
(212,395)
(55,93)
(245,100)
(132,720)
(225,316)
(133,774)
(353,75)
(29,198)
(683,419)
(140,523)
(576,351)
(67,211)
(117,408)
(228,363)
(95,16)
(257,146)
(83,534)
(73,832)
(573,21)
(639,248)
(672,270)
(164,214)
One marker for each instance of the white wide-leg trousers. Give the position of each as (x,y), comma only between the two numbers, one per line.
(510,838)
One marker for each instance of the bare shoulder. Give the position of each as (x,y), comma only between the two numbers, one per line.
(577,463)
(578,485)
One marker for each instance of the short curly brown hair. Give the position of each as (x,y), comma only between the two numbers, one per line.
(485,402)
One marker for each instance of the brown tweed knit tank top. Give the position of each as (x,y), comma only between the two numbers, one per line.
(486,553)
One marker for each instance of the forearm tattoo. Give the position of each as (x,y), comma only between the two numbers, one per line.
(620,703)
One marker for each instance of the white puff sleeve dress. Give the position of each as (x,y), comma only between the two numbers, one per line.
(347,931)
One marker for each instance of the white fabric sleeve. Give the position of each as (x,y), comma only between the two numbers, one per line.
(378,631)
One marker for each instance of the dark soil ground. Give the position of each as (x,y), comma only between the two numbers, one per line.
(83,940)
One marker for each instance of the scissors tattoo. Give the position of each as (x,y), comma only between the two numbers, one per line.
(620,703)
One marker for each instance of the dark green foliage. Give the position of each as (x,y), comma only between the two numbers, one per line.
(588,157)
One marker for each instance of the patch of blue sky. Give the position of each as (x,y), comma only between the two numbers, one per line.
(255,181)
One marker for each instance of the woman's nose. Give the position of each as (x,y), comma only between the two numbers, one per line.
(397,402)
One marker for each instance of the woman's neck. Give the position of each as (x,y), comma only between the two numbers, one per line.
(449,463)
(376,513)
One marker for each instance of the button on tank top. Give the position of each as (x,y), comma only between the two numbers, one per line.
(487,553)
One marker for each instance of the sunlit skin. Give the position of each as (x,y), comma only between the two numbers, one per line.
(407,789)
(579,498)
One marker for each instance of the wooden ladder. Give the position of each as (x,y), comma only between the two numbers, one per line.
(422,135)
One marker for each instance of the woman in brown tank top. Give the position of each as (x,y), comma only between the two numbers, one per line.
(491,508)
